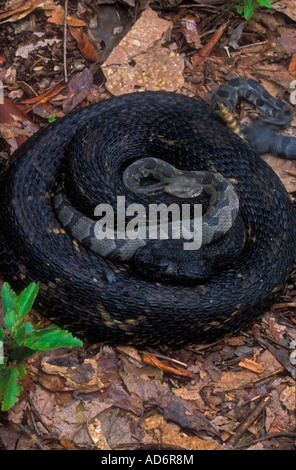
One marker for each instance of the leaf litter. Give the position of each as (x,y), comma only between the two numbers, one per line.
(236,393)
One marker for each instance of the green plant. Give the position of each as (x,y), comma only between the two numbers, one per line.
(249,6)
(19,340)
(52,118)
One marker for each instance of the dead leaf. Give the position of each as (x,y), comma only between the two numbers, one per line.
(285,6)
(15,126)
(152,360)
(96,434)
(24,51)
(78,88)
(205,51)
(86,48)
(190,32)
(184,413)
(251,365)
(57,16)
(287,39)
(285,169)
(172,436)
(76,377)
(140,63)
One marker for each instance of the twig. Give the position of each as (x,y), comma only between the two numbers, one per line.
(247,423)
(265,438)
(65,41)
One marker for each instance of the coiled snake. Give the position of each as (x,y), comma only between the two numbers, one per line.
(160,293)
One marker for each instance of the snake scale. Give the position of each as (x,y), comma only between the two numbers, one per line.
(113,300)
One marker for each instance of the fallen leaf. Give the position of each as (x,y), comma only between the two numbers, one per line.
(285,6)
(140,63)
(184,413)
(96,434)
(78,88)
(251,365)
(190,31)
(205,51)
(172,436)
(15,127)
(152,360)
(57,16)
(24,51)
(86,48)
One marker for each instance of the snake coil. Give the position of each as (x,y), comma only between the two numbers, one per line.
(109,300)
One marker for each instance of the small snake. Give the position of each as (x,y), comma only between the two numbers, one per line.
(261,134)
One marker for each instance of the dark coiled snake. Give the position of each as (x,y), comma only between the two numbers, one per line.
(150,291)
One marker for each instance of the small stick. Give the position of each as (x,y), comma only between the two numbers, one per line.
(65,41)
(247,423)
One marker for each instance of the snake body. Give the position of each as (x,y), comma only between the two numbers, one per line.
(113,300)
(260,135)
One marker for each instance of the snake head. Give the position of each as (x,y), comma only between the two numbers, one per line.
(184,186)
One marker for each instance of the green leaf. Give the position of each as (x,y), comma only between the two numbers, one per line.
(265,3)
(8,300)
(8,297)
(23,331)
(10,386)
(25,300)
(10,319)
(50,338)
(2,334)
(249,8)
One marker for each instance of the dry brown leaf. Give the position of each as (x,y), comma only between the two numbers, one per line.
(96,434)
(81,376)
(15,126)
(205,51)
(190,31)
(285,6)
(55,13)
(25,9)
(140,63)
(251,365)
(152,360)
(86,48)
(285,169)
(170,435)
(237,380)
(57,16)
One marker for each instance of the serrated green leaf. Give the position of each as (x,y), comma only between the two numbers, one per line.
(8,297)
(11,387)
(50,338)
(10,319)
(23,331)
(25,300)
